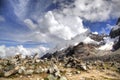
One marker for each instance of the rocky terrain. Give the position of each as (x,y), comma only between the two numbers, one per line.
(79,62)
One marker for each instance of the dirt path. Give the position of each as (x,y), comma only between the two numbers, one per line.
(95,75)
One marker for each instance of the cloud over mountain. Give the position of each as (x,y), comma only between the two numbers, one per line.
(48,24)
(11,51)
(65,22)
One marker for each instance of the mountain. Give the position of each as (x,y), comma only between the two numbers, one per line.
(81,50)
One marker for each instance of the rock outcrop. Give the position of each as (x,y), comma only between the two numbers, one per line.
(115,32)
(97,37)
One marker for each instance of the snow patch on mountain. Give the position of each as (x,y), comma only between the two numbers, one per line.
(108,44)
(89,40)
(116,27)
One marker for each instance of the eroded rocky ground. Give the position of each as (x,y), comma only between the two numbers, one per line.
(80,62)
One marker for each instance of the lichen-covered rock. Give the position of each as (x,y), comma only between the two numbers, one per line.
(11,72)
(21,70)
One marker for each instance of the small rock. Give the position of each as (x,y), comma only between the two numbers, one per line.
(52,69)
(82,66)
(29,72)
(39,70)
(21,70)
(63,78)
(57,74)
(77,72)
(51,77)
(45,70)
(68,66)
(9,73)
(37,60)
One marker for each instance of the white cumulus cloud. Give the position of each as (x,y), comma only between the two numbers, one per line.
(11,51)
(94,10)
(63,26)
(30,24)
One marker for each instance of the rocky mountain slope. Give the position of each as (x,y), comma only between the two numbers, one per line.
(80,50)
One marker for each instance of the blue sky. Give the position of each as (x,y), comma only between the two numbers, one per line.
(100,26)
(12,26)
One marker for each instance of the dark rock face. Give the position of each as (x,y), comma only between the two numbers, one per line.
(118,22)
(115,32)
(117,44)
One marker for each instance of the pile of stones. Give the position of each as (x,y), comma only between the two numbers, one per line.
(27,66)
